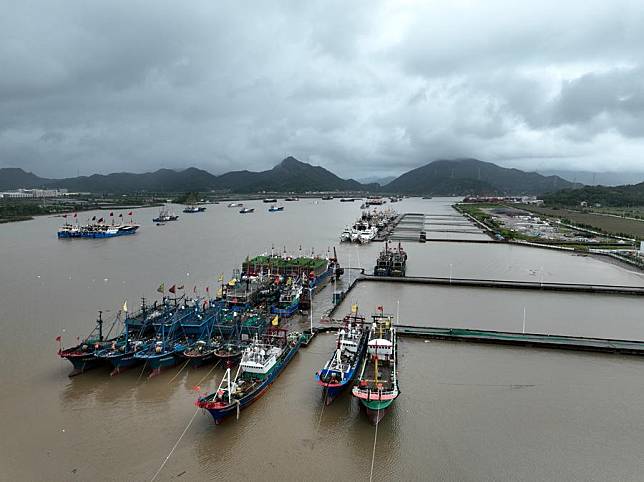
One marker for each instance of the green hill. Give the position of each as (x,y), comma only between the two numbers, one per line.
(471,176)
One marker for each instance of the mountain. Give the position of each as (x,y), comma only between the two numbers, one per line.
(14,177)
(163,180)
(471,176)
(290,175)
(591,178)
(628,195)
(376,180)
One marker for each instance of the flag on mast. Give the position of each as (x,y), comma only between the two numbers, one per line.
(161,288)
(125,306)
(173,289)
(275,321)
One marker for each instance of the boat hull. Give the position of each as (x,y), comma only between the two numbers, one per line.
(81,361)
(122,362)
(376,409)
(200,360)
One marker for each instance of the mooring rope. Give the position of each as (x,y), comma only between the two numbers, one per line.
(208,374)
(326,391)
(375,440)
(142,370)
(174,377)
(174,447)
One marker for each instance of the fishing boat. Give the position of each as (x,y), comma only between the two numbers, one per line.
(202,351)
(270,200)
(81,356)
(391,262)
(235,205)
(316,269)
(246,210)
(327,198)
(377,386)
(292,199)
(289,300)
(97,230)
(194,209)
(166,348)
(137,334)
(347,200)
(165,216)
(345,236)
(275,209)
(262,362)
(340,371)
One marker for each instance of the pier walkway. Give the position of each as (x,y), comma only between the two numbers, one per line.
(537,340)
(510,284)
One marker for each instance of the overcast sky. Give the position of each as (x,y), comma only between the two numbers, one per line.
(361,88)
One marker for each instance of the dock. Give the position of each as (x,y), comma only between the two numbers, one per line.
(535,340)
(510,284)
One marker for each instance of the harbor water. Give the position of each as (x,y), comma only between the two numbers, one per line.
(466,412)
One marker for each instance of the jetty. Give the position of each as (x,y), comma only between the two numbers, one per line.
(535,340)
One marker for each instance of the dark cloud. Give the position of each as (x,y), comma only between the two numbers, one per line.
(378,87)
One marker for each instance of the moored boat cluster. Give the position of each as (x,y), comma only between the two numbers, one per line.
(368,225)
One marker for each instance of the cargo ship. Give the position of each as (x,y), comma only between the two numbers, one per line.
(340,371)
(377,386)
(261,363)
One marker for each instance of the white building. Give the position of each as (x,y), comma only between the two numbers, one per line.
(33,193)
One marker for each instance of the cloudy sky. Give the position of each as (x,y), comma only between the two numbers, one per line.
(362,88)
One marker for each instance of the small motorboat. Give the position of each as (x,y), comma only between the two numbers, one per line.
(246,210)
(275,209)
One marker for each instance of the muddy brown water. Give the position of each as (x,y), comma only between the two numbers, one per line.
(466,412)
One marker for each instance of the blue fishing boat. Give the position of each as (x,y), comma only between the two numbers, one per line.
(351,344)
(275,209)
(262,362)
(166,348)
(138,335)
(289,300)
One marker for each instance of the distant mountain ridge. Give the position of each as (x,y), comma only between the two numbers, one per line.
(471,176)
(290,175)
(442,177)
(627,195)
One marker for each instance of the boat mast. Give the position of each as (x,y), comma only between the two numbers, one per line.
(100,325)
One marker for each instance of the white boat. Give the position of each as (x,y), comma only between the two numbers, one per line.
(345,236)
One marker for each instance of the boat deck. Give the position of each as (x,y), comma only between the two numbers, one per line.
(385,375)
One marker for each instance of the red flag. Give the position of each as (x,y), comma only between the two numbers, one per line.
(130,213)
(58,338)
(75,214)
(100,220)
(121,215)
(173,289)
(207,289)
(93,218)
(112,213)
(65,216)
(194,289)
(180,287)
